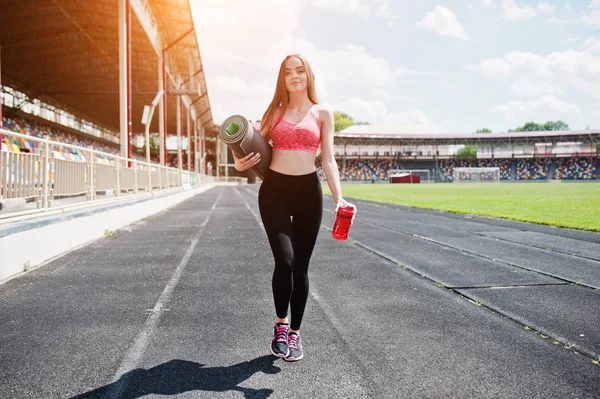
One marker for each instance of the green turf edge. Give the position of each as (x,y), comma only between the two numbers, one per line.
(484,214)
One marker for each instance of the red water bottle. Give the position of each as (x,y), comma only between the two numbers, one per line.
(343,222)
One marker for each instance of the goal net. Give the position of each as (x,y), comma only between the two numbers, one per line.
(464,175)
(423,174)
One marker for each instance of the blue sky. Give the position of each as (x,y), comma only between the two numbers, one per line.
(426,67)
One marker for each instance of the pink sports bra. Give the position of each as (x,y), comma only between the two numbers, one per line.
(303,136)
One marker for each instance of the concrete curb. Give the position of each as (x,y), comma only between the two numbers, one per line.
(54,240)
(11,205)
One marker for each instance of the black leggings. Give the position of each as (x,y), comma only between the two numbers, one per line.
(291,208)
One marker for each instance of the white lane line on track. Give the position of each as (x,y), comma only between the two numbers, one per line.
(143,338)
(258,219)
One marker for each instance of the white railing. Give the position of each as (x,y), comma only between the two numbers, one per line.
(43,176)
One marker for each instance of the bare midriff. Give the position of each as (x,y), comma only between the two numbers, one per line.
(293,163)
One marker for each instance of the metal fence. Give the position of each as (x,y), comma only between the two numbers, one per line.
(52,170)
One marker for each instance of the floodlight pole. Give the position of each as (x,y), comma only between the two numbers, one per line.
(166,85)
(129,85)
(203,138)
(147,120)
(195,130)
(202,160)
(161,114)
(125,77)
(1,89)
(187,125)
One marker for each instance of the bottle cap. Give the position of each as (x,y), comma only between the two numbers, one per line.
(347,211)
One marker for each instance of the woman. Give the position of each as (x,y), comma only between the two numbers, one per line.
(290,198)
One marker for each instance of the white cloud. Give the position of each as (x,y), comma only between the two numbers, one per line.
(594,17)
(592,46)
(376,113)
(238,85)
(240,45)
(546,107)
(234,33)
(404,71)
(571,70)
(546,8)
(513,12)
(386,95)
(353,65)
(525,88)
(443,22)
(595,111)
(495,67)
(362,8)
(568,6)
(480,3)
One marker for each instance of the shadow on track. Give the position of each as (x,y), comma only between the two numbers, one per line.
(179,376)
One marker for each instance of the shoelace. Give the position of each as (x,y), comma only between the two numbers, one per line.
(281,333)
(293,341)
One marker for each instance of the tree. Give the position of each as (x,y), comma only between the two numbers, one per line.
(467,152)
(550,125)
(341,121)
(484,130)
(529,127)
(558,125)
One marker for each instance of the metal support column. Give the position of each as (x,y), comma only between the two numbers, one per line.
(124,77)
(129,85)
(1,89)
(189,146)
(162,117)
(179,118)
(164,108)
(196,162)
(166,85)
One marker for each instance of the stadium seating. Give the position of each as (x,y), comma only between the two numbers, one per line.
(582,168)
(39,130)
(532,169)
(575,169)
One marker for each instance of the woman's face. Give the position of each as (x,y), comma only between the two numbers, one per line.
(296,77)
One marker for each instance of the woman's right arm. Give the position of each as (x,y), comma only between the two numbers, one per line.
(241,164)
(251,159)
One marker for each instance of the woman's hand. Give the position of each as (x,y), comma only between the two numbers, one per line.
(246,162)
(342,202)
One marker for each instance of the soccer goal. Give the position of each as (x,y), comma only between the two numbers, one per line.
(409,176)
(473,175)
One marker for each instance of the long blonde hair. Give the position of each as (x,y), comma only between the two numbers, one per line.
(282,96)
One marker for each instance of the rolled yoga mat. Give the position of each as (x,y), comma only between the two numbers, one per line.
(242,138)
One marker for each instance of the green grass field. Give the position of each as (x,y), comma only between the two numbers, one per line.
(574,205)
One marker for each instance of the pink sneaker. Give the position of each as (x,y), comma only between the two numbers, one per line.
(295,348)
(279,343)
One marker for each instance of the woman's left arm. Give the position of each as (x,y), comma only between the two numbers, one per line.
(330,166)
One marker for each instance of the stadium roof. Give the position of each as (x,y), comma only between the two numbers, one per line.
(66,53)
(389,135)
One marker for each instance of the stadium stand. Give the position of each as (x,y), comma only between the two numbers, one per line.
(40,130)
(532,169)
(571,168)
(575,169)
(37,129)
